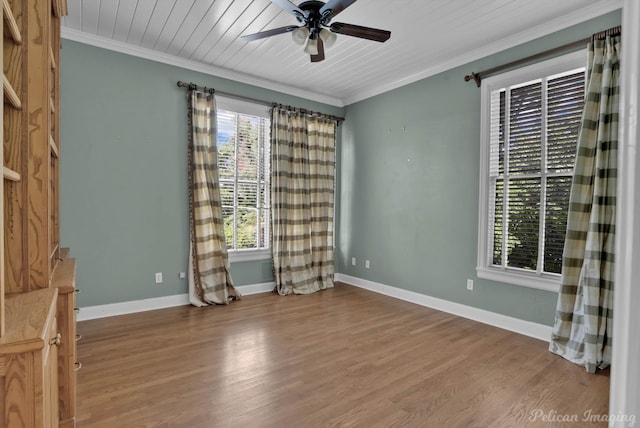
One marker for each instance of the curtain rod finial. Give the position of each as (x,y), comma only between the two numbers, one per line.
(473,76)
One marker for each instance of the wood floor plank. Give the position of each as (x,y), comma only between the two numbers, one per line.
(339,358)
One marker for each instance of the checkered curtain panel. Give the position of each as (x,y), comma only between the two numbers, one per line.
(583,322)
(302,199)
(209,278)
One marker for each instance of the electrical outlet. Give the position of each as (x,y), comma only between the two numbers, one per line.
(182,275)
(367,264)
(353,261)
(158,277)
(470,284)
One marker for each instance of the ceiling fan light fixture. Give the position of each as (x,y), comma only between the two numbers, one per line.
(328,37)
(312,16)
(299,35)
(312,47)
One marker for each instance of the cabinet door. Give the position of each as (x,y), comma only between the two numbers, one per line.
(51,386)
(67,355)
(50,374)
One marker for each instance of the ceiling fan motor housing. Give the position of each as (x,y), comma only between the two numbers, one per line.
(312,19)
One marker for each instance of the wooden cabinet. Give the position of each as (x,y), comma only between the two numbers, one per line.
(64,279)
(28,361)
(37,283)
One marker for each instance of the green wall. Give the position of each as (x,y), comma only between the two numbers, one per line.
(123,182)
(408,166)
(409,177)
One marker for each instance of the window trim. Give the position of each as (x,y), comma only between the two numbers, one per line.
(252,109)
(484,269)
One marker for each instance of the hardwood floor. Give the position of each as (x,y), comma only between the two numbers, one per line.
(341,357)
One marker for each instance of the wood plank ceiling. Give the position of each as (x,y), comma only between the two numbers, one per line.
(426,37)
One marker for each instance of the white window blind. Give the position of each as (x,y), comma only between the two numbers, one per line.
(532,134)
(243,161)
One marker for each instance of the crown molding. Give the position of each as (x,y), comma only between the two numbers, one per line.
(557,24)
(137,51)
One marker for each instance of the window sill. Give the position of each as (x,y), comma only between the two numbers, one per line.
(249,255)
(523,279)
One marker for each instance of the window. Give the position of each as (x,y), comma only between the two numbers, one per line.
(530,123)
(243,164)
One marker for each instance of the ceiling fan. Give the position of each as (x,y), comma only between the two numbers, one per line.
(316,27)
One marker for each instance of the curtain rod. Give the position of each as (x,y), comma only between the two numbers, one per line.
(224,94)
(253,100)
(308,112)
(477,77)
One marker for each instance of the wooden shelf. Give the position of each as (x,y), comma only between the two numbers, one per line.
(12,25)
(10,93)
(52,105)
(52,253)
(64,275)
(52,58)
(29,316)
(54,147)
(10,174)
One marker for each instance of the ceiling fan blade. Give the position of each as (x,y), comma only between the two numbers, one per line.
(335,7)
(362,32)
(289,7)
(320,55)
(268,33)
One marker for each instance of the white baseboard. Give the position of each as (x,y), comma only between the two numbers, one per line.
(130,307)
(527,328)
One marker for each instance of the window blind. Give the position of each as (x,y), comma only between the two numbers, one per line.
(534,131)
(243,162)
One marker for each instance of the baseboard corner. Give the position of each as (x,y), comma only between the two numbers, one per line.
(516,325)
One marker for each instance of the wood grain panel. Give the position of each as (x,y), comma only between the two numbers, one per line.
(54,134)
(66,389)
(64,279)
(2,286)
(19,403)
(49,364)
(15,148)
(340,357)
(66,355)
(38,165)
(2,388)
(31,325)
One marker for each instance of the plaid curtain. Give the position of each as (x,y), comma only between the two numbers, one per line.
(583,322)
(302,198)
(209,277)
